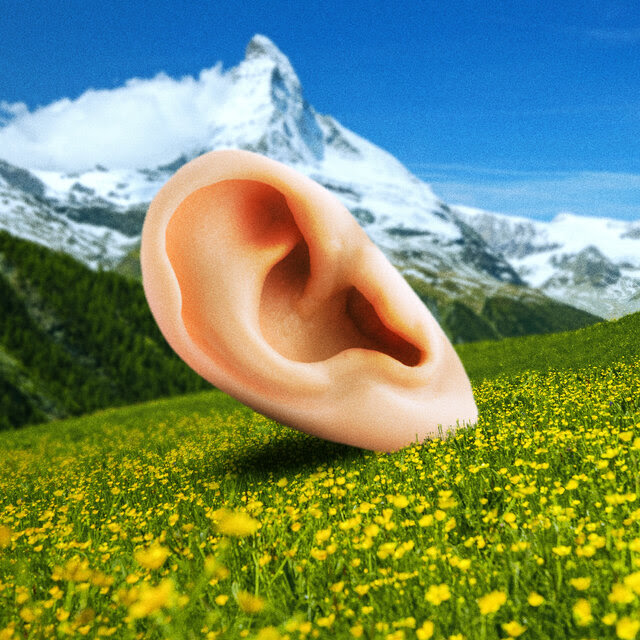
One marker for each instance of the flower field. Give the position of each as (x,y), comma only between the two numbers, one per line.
(196,518)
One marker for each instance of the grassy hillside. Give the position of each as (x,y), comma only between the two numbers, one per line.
(475,314)
(599,344)
(194,517)
(72,340)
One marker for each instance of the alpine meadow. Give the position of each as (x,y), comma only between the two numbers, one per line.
(194,517)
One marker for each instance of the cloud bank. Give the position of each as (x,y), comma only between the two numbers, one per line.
(538,194)
(144,123)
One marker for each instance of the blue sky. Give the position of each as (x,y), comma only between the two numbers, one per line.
(520,107)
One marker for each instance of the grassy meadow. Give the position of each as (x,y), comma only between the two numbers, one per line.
(194,517)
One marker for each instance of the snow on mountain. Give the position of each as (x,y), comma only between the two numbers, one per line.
(96,213)
(96,162)
(24,212)
(592,262)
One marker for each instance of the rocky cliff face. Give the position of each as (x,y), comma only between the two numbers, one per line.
(592,263)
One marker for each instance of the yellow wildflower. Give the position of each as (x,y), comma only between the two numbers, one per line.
(581,584)
(250,603)
(437,594)
(7,632)
(357,631)
(409,622)
(221,600)
(620,594)
(365,507)
(491,602)
(425,631)
(268,633)
(535,599)
(151,599)
(399,502)
(27,614)
(426,521)
(627,629)
(632,581)
(582,612)
(5,536)
(513,628)
(323,535)
(386,549)
(265,558)
(153,557)
(236,523)
(326,621)
(610,618)
(318,554)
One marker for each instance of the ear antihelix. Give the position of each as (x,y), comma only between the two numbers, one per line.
(263,282)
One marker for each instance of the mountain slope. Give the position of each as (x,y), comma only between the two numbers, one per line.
(73,340)
(602,344)
(96,213)
(594,262)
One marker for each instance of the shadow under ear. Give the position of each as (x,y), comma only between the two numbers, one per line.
(290,455)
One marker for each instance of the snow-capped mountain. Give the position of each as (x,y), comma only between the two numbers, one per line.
(593,263)
(96,213)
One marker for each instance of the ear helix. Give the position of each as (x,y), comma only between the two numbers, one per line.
(265,285)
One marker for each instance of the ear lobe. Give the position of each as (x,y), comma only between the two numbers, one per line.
(265,285)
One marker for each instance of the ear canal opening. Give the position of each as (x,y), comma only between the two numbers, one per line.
(368,322)
(346,320)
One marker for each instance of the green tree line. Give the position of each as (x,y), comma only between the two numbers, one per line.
(87,339)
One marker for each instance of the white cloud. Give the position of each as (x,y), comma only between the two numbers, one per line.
(629,35)
(539,194)
(9,110)
(141,124)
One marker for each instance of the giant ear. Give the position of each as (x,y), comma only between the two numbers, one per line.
(263,283)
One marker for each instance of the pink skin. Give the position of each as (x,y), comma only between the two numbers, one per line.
(265,284)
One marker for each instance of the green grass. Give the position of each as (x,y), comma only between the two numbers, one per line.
(194,517)
(599,344)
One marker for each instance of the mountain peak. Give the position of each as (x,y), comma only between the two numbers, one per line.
(262,47)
